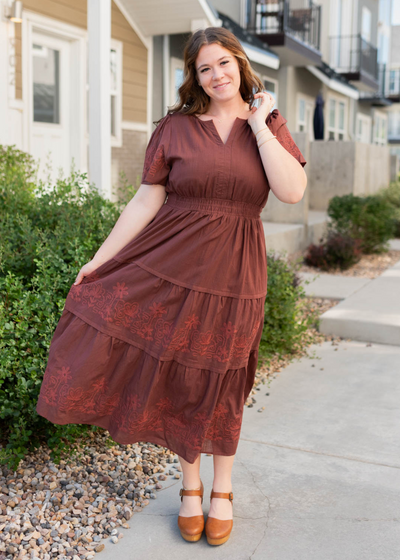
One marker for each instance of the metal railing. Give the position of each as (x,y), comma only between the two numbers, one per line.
(352,53)
(277,16)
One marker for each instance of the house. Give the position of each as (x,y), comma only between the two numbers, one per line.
(84,81)
(77,80)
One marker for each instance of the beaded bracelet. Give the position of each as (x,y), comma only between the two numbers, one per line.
(259,145)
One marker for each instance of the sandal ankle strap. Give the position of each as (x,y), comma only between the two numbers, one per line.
(228,495)
(198,492)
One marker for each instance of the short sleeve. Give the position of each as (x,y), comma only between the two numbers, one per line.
(155,168)
(277,124)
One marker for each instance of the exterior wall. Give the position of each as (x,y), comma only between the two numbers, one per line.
(129,158)
(74,12)
(231,8)
(373,7)
(340,168)
(278,211)
(157,101)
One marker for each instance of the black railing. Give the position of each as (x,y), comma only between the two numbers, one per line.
(352,53)
(271,17)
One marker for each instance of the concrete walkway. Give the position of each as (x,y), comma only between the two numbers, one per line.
(371,313)
(316,475)
(330,285)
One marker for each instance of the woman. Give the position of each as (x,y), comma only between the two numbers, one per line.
(159,337)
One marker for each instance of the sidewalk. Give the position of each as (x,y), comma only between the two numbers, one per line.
(369,310)
(316,475)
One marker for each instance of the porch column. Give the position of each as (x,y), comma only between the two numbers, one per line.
(99,33)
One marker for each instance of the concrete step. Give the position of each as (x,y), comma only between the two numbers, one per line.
(289,238)
(371,313)
(331,286)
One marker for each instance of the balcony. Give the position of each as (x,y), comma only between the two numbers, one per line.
(356,59)
(292,31)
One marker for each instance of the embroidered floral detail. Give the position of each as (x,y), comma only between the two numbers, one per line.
(277,124)
(155,157)
(56,391)
(137,419)
(150,323)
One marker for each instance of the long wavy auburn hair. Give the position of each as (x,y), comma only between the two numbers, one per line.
(191,97)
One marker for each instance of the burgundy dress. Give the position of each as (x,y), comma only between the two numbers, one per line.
(160,343)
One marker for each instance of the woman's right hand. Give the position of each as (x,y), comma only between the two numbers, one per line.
(86,269)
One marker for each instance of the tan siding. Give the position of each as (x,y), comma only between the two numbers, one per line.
(134,80)
(71,11)
(18,63)
(134,115)
(135,90)
(134,63)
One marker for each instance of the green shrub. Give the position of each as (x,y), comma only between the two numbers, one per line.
(284,321)
(46,235)
(392,195)
(370,219)
(337,251)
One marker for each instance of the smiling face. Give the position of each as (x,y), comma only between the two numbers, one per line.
(217,71)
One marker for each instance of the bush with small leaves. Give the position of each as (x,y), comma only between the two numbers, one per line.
(338,251)
(371,219)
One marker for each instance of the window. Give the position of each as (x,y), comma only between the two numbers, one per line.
(176,74)
(394,124)
(336,119)
(366,24)
(363,128)
(305,114)
(394,81)
(46,84)
(115,93)
(270,86)
(380,134)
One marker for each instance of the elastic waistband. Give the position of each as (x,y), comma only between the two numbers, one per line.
(210,205)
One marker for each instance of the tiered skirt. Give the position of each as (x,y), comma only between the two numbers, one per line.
(160,343)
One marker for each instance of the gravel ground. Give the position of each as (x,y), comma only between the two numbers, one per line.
(370,266)
(66,510)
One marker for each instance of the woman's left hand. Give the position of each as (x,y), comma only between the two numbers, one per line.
(259,115)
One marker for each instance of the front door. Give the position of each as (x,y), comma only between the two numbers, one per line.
(50,104)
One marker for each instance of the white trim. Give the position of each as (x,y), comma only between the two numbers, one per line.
(99,43)
(11,61)
(175,64)
(33,22)
(379,117)
(165,72)
(136,126)
(264,77)
(309,101)
(146,40)
(214,21)
(17,104)
(333,84)
(257,55)
(365,120)
(116,141)
(149,100)
(336,130)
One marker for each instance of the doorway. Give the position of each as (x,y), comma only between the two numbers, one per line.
(50,104)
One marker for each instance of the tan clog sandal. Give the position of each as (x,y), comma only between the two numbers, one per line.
(191,528)
(219,530)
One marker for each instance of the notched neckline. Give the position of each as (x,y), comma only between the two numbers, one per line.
(215,130)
